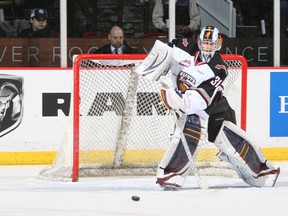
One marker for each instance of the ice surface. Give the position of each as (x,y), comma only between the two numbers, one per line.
(22,194)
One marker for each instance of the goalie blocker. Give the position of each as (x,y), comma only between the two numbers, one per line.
(246,157)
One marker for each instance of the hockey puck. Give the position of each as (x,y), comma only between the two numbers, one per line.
(135,198)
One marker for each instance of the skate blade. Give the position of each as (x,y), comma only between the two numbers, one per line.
(170,187)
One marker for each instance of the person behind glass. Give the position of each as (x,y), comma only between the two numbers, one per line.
(187,17)
(117,43)
(39,25)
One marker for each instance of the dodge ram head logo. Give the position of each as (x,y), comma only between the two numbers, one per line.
(11,102)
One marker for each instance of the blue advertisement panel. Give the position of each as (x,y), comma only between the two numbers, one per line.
(279,104)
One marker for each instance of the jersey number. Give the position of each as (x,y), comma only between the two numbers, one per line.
(216,82)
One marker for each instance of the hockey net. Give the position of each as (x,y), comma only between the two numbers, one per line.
(119,125)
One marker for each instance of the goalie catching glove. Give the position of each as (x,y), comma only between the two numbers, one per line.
(173,100)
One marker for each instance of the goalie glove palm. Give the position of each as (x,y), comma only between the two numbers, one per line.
(172,100)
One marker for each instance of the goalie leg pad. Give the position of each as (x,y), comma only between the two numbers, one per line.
(246,157)
(157,63)
(175,165)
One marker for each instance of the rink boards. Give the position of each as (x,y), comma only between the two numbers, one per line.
(47,103)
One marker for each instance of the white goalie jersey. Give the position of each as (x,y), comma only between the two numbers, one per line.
(199,82)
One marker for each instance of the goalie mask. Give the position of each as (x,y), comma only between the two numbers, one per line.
(209,41)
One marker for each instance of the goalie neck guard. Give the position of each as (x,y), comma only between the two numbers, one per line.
(209,41)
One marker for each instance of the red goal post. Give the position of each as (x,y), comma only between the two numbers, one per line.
(120,126)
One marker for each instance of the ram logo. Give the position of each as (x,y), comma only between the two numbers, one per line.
(11,102)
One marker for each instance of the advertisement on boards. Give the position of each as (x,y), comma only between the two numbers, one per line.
(278,104)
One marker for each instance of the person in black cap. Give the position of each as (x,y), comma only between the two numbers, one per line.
(39,25)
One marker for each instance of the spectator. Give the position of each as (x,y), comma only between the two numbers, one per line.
(39,25)
(187,17)
(117,43)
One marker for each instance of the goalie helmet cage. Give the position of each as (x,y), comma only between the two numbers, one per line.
(120,126)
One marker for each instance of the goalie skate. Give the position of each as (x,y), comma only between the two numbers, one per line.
(170,187)
(157,63)
(169,182)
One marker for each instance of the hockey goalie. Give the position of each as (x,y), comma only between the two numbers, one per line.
(192,88)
